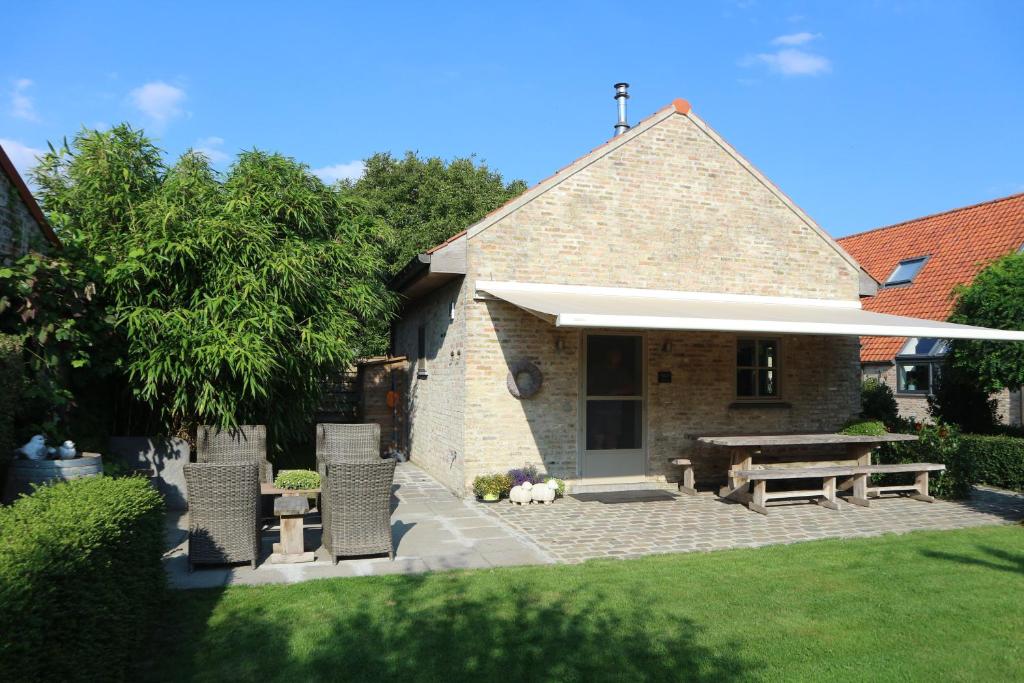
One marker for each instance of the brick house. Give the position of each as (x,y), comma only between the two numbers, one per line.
(22,224)
(659,287)
(920,262)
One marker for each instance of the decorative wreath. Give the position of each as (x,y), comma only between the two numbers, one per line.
(524,379)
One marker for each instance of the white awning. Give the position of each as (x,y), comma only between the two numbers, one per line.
(648,309)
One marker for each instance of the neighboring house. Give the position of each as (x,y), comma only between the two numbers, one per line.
(661,288)
(919,263)
(22,224)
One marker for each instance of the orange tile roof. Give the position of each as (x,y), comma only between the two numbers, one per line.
(959,243)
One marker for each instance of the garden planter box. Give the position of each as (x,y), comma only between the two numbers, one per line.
(22,474)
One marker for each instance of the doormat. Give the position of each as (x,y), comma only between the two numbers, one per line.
(615,497)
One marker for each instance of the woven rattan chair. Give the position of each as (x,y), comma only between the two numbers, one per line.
(245,443)
(223,513)
(357,508)
(347,443)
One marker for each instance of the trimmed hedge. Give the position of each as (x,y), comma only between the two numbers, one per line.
(995,460)
(81,581)
(937,443)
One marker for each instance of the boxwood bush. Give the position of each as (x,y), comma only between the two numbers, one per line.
(995,460)
(937,443)
(81,581)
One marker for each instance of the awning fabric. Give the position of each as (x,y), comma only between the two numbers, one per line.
(646,309)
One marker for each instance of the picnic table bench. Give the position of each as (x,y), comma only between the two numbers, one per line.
(854,469)
(826,495)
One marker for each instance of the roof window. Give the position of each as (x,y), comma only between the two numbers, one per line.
(906,271)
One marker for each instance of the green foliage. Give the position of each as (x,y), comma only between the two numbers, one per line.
(936,443)
(81,581)
(878,403)
(958,400)
(229,297)
(49,303)
(297,479)
(11,379)
(492,485)
(426,201)
(864,428)
(995,460)
(560,485)
(994,299)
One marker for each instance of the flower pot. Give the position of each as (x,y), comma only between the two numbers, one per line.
(490,497)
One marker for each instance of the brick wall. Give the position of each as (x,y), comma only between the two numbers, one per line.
(18,230)
(668,210)
(434,406)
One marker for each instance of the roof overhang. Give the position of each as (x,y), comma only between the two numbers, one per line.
(426,272)
(647,309)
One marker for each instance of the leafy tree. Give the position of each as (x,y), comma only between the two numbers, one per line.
(228,297)
(877,402)
(426,201)
(958,400)
(995,299)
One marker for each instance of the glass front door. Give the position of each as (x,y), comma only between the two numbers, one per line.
(613,408)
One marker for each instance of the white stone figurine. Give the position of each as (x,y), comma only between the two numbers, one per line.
(67,450)
(543,494)
(35,449)
(519,495)
(527,485)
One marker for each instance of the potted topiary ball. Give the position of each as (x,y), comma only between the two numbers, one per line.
(488,487)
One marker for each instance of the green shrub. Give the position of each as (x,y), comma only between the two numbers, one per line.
(559,484)
(995,460)
(297,479)
(81,581)
(11,369)
(936,443)
(492,484)
(958,399)
(877,402)
(864,428)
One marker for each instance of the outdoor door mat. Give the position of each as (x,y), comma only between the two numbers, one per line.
(615,497)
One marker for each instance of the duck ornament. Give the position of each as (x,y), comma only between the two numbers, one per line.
(35,449)
(67,450)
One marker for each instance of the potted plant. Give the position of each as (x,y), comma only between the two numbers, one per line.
(297,480)
(491,487)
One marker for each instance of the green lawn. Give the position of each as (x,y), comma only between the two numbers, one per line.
(923,606)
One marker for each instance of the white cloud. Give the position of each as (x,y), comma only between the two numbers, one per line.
(22,156)
(160,101)
(353,170)
(211,148)
(22,106)
(795,38)
(790,62)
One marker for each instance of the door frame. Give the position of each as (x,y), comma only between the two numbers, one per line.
(581,405)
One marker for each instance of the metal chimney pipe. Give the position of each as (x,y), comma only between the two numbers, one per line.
(621,95)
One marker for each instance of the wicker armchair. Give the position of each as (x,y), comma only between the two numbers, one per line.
(245,443)
(347,443)
(223,513)
(357,508)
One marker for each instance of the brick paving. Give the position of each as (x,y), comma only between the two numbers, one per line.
(632,524)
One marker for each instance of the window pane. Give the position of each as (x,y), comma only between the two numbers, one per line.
(914,378)
(766,356)
(744,353)
(745,382)
(614,425)
(766,383)
(614,365)
(905,271)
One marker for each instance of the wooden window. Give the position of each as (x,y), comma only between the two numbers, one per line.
(757,368)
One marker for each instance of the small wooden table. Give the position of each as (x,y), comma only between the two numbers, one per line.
(291,507)
(743,448)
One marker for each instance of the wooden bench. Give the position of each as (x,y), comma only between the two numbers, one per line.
(687,485)
(826,495)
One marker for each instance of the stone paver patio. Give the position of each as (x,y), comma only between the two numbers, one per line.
(432,529)
(631,524)
(435,530)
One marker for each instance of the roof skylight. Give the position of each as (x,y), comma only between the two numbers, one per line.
(906,271)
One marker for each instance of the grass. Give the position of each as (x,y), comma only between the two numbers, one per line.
(923,606)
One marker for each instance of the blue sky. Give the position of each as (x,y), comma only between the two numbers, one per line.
(865,113)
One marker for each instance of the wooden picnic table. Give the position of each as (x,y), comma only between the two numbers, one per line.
(744,447)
